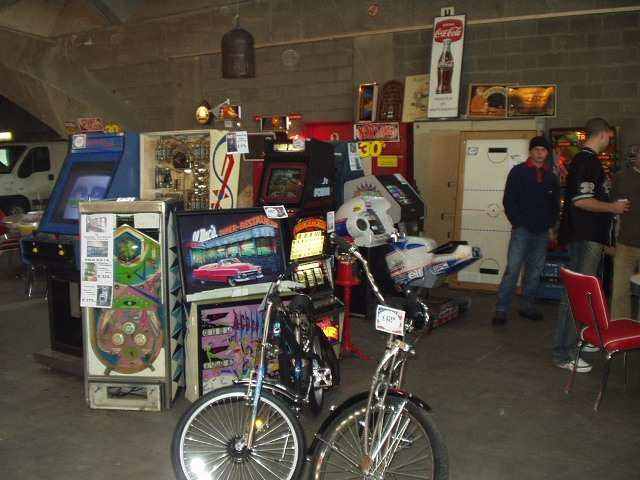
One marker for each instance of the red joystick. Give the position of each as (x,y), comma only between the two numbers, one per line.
(347,278)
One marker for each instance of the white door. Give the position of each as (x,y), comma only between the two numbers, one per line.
(483,223)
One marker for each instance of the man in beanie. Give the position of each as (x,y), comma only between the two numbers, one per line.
(586,227)
(531,202)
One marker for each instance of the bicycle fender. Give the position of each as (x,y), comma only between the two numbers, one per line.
(359,397)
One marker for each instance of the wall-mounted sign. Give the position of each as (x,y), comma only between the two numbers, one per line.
(390,104)
(90,124)
(367,102)
(416,98)
(487,101)
(387,132)
(532,100)
(446,66)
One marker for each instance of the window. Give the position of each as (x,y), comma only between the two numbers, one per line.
(9,155)
(37,160)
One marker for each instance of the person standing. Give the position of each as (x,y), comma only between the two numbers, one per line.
(626,186)
(531,202)
(586,227)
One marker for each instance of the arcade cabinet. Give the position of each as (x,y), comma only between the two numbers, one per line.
(98,166)
(299,175)
(407,209)
(313,268)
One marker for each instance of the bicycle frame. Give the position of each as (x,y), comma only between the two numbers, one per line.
(254,387)
(388,375)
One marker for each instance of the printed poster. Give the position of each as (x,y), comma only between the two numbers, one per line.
(416,98)
(446,66)
(96,260)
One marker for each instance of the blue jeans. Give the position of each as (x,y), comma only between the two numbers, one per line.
(584,257)
(525,249)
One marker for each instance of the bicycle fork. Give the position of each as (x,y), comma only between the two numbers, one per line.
(261,368)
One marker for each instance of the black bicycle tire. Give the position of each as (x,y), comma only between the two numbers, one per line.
(438,446)
(210,397)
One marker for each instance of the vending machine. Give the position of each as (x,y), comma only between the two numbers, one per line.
(133,311)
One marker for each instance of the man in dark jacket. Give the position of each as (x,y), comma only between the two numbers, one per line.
(531,202)
(586,228)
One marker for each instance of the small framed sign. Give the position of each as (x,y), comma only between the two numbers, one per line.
(487,101)
(390,320)
(367,102)
(532,101)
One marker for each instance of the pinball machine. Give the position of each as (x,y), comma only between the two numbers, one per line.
(134,343)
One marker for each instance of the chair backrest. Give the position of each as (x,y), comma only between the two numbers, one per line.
(588,304)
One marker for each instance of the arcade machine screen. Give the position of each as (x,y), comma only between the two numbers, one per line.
(284,183)
(86,182)
(224,249)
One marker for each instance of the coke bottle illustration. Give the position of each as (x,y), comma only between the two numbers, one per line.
(445,68)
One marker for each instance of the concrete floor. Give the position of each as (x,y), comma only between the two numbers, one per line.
(497,399)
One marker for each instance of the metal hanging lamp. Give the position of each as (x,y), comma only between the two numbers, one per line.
(238,53)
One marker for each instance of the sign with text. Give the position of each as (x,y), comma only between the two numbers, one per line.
(390,320)
(446,66)
(387,132)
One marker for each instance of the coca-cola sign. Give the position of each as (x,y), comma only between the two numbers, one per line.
(446,66)
(450,28)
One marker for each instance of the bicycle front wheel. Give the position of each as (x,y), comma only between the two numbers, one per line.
(414,448)
(209,441)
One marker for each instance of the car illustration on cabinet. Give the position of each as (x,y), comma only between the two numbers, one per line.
(229,270)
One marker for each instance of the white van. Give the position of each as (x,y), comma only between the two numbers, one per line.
(28,172)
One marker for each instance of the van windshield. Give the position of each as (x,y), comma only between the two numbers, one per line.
(9,155)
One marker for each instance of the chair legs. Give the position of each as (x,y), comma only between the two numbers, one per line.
(572,375)
(603,384)
(626,370)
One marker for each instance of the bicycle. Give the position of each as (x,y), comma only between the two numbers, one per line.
(251,430)
(387,432)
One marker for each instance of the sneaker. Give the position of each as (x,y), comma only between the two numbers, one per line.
(588,348)
(499,319)
(583,367)
(531,314)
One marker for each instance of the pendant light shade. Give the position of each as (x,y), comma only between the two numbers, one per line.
(238,54)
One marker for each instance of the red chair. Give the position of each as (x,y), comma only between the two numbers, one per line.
(591,313)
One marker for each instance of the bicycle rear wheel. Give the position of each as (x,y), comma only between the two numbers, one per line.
(208,442)
(414,449)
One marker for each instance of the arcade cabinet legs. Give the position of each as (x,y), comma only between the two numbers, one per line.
(65,324)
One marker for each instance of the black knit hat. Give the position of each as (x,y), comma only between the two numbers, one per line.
(539,141)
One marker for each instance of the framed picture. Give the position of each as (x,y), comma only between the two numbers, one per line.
(531,101)
(221,250)
(487,101)
(390,104)
(416,98)
(228,338)
(367,102)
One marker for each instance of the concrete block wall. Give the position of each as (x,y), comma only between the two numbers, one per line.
(594,60)
(159,67)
